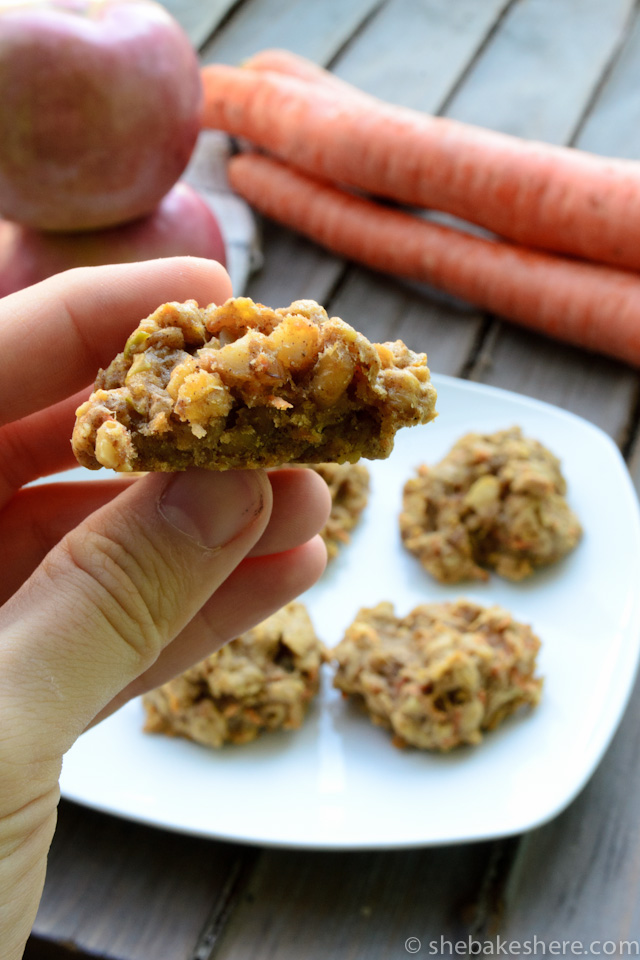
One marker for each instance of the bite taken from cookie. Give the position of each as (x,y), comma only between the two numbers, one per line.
(243,386)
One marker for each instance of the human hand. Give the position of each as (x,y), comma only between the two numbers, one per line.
(111,587)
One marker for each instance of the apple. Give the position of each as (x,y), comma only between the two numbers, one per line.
(101,107)
(183,224)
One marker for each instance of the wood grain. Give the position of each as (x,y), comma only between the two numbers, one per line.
(199,20)
(130,892)
(599,389)
(385,310)
(579,877)
(612,126)
(362,906)
(293,268)
(541,68)
(415,47)
(315,30)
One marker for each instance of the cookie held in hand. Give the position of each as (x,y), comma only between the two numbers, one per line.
(244,386)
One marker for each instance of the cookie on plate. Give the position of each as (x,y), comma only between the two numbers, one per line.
(244,386)
(264,680)
(495,501)
(440,676)
(349,488)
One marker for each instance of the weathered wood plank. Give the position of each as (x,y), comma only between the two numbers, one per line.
(541,67)
(363,906)
(293,269)
(578,878)
(612,126)
(385,310)
(511,88)
(130,892)
(599,389)
(199,20)
(316,30)
(415,47)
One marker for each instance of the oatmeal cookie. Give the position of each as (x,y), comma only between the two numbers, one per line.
(349,488)
(263,680)
(241,385)
(440,676)
(496,500)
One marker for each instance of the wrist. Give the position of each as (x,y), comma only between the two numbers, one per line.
(25,838)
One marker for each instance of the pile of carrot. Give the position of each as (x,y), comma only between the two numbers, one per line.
(567,223)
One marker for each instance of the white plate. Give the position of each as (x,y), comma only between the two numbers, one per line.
(338,783)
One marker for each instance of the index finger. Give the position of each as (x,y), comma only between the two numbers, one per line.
(55,335)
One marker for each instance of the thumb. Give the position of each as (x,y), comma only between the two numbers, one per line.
(95,614)
(114,592)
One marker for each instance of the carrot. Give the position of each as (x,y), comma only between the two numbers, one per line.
(555,198)
(590,305)
(293,65)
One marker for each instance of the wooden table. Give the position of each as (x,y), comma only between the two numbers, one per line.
(565,71)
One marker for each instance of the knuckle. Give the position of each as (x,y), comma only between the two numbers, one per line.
(131,590)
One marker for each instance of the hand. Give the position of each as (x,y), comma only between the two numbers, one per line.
(112,587)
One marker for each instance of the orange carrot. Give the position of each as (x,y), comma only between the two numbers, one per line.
(555,198)
(590,305)
(293,65)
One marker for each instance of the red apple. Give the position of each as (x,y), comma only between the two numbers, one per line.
(183,224)
(100,110)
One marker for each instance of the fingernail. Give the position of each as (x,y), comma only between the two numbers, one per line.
(212,507)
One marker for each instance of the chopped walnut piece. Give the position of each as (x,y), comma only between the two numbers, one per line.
(440,676)
(241,385)
(113,444)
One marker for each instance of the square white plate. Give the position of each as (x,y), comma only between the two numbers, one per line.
(338,783)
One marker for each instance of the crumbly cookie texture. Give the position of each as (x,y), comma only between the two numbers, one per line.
(349,488)
(262,681)
(440,676)
(241,385)
(496,500)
